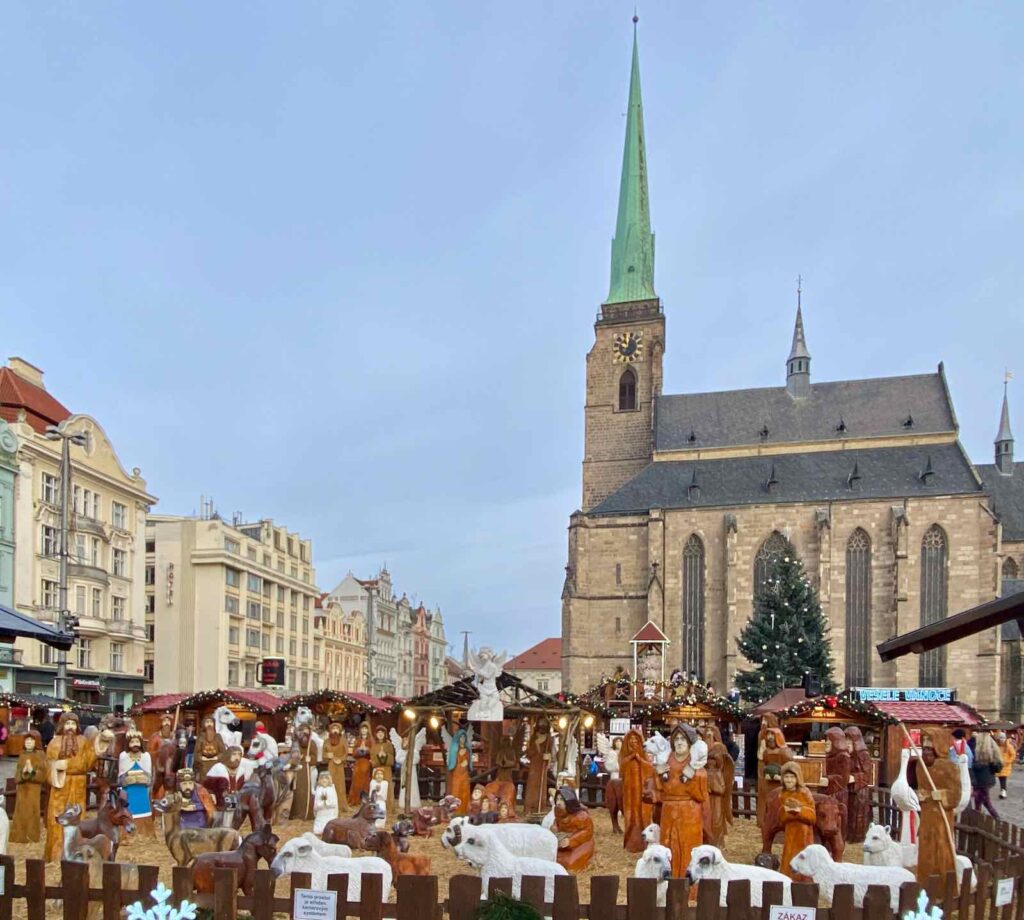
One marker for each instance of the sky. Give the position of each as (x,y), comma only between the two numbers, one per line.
(338,264)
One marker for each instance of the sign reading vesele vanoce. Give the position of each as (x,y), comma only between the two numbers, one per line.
(904,694)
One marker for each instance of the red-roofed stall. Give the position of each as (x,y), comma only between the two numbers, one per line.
(249,706)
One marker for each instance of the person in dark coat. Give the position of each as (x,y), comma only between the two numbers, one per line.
(987,763)
(45,727)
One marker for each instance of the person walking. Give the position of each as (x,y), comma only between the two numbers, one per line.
(987,763)
(1009,754)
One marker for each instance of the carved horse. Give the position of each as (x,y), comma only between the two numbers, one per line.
(256,799)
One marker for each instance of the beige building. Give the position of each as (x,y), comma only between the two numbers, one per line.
(344,634)
(221,597)
(106,570)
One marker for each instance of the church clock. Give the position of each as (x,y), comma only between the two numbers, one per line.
(628,347)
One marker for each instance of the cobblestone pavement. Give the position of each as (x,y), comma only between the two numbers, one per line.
(1012,807)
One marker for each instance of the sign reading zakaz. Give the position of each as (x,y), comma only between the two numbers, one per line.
(905,694)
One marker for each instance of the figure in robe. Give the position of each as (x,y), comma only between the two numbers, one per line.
(859,804)
(209,748)
(681,800)
(380,791)
(401,746)
(135,775)
(506,757)
(303,761)
(361,767)
(637,772)
(198,808)
(70,757)
(458,759)
(574,830)
(335,756)
(721,772)
(796,815)
(771,757)
(325,802)
(382,757)
(30,776)
(837,772)
(539,751)
(934,852)
(164,733)
(229,776)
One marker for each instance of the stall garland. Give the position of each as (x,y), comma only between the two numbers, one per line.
(844,700)
(320,697)
(687,693)
(203,698)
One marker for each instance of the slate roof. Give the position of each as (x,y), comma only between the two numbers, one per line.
(868,408)
(1007,497)
(885,472)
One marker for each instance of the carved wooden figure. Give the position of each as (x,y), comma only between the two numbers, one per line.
(934,852)
(637,772)
(30,776)
(797,816)
(575,831)
(838,771)
(859,803)
(361,768)
(772,754)
(682,794)
(721,771)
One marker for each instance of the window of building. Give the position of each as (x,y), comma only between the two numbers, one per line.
(50,594)
(232,673)
(81,549)
(279,647)
(305,626)
(231,603)
(96,514)
(117,607)
(150,632)
(305,603)
(627,390)
(254,583)
(150,574)
(83,651)
(97,602)
(96,553)
(80,600)
(150,603)
(293,598)
(294,622)
(934,550)
(147,670)
(316,652)
(50,541)
(1010,568)
(119,560)
(291,547)
(772,548)
(232,635)
(280,619)
(151,546)
(232,577)
(47,655)
(291,679)
(252,610)
(305,681)
(280,594)
(250,674)
(51,489)
(251,553)
(252,638)
(293,647)
(119,515)
(266,642)
(116,656)
(693,607)
(232,546)
(858,609)
(305,649)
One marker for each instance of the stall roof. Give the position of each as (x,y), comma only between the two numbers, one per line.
(625,696)
(15,625)
(784,699)
(32,700)
(360,702)
(930,711)
(515,694)
(256,700)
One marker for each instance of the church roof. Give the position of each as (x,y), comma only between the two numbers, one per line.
(884,472)
(1007,497)
(878,407)
(649,632)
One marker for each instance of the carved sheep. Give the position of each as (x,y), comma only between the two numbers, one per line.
(655,862)
(298,855)
(488,854)
(519,839)
(707,862)
(814,861)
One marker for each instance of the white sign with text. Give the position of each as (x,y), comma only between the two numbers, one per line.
(619,726)
(315,905)
(779,912)
(1004,892)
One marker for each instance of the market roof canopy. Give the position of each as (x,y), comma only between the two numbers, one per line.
(15,625)
(352,700)
(35,700)
(254,700)
(516,696)
(934,635)
(784,699)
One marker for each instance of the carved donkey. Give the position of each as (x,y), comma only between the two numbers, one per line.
(112,817)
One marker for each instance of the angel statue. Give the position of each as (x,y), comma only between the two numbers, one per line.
(609,748)
(487,666)
(401,751)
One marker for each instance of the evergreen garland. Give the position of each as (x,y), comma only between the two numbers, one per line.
(787,637)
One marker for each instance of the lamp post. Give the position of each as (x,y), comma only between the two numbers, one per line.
(60,433)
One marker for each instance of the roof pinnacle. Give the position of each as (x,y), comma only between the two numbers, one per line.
(799,349)
(1005,434)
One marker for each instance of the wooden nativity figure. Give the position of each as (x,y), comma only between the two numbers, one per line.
(209,748)
(859,805)
(773,753)
(70,758)
(135,775)
(164,733)
(335,754)
(539,752)
(361,768)
(30,776)
(935,855)
(721,771)
(574,830)
(401,746)
(796,815)
(198,808)
(379,792)
(506,757)
(382,757)
(304,772)
(837,776)
(458,759)
(229,775)
(325,802)
(637,773)
(682,794)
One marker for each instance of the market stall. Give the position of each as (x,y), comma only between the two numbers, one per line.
(16,711)
(349,707)
(249,706)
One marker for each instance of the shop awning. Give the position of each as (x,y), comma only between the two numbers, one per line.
(15,625)
(945,713)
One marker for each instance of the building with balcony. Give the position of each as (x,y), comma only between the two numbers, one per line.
(107,527)
(344,635)
(222,597)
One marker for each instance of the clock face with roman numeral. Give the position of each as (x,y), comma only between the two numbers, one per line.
(628,347)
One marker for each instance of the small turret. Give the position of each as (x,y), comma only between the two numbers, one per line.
(798,364)
(1004,439)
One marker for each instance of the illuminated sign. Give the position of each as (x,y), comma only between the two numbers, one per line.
(270,672)
(905,694)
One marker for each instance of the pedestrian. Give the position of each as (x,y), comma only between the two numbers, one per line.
(45,727)
(1009,753)
(190,743)
(987,763)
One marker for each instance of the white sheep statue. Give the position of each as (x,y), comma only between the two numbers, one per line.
(815,861)
(519,839)
(651,834)
(298,855)
(487,853)
(656,862)
(337,850)
(881,850)
(707,862)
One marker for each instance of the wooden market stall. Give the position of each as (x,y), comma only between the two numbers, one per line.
(16,711)
(349,707)
(249,706)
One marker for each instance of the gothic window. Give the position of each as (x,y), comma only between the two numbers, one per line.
(1010,568)
(934,551)
(858,610)
(693,607)
(772,548)
(627,390)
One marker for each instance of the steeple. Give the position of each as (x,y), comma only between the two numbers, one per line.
(798,364)
(633,245)
(1004,439)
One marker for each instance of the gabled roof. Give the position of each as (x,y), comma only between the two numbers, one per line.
(784,699)
(1007,497)
(929,711)
(546,655)
(878,407)
(649,633)
(358,702)
(41,409)
(256,700)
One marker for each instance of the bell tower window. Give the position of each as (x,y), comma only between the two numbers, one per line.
(627,391)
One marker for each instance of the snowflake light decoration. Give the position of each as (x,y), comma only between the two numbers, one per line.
(161,910)
(922,912)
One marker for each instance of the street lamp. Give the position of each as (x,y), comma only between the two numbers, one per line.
(67,438)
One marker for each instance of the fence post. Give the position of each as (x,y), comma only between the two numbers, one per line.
(983,896)
(35,887)
(567,899)
(641,898)
(604,895)
(842,902)
(149,878)
(805,895)
(225,894)
(737,899)
(771,896)
(531,890)
(876,903)
(677,899)
(181,884)
(74,879)
(111,891)
(708,894)
(6,896)
(417,897)
(908,898)
(463,896)
(263,895)
(371,897)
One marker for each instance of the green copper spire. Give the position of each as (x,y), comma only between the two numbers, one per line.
(633,246)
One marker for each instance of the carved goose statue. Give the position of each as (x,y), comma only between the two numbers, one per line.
(905,799)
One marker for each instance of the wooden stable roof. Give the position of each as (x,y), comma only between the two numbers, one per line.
(353,701)
(516,695)
(976,620)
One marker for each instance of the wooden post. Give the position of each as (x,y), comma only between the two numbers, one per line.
(181,884)
(35,885)
(225,894)
(641,898)
(371,898)
(263,895)
(708,895)
(531,890)
(737,900)
(74,879)
(604,894)
(771,896)
(567,898)
(111,891)
(677,899)
(464,897)
(417,897)
(876,903)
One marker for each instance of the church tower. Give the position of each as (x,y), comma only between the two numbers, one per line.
(624,366)
(1004,439)
(798,364)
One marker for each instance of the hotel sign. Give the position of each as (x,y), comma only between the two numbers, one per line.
(905,694)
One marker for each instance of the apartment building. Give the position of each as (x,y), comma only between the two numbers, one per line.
(344,646)
(221,597)
(107,527)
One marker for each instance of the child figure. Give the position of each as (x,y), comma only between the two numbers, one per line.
(379,791)
(325,802)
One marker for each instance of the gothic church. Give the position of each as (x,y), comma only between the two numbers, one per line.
(686,498)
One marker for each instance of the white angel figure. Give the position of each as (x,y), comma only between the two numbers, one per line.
(400,753)
(609,748)
(659,748)
(487,666)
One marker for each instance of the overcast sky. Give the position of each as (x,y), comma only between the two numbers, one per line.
(338,264)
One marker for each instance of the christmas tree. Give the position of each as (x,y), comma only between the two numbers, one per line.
(787,638)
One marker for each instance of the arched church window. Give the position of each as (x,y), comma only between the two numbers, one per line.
(772,548)
(1010,568)
(693,607)
(858,610)
(627,390)
(934,552)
